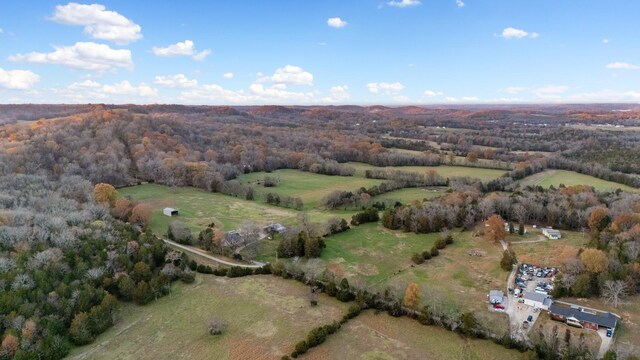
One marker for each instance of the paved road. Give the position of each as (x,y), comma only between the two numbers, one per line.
(210,257)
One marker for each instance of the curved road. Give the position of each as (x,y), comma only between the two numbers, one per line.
(213,258)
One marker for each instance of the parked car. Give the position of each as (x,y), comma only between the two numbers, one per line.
(609,332)
(498,306)
(530,318)
(525,324)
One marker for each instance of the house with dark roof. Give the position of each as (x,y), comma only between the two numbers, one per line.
(579,317)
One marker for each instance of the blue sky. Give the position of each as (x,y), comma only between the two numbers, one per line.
(392,52)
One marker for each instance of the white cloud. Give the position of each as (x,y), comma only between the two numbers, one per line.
(257,94)
(464,99)
(605,41)
(404,3)
(550,90)
(228,75)
(125,88)
(622,66)
(384,87)
(185,48)
(606,96)
(338,94)
(289,74)
(18,79)
(1,31)
(175,81)
(81,55)
(459,3)
(513,33)
(515,89)
(336,22)
(87,84)
(98,22)
(431,93)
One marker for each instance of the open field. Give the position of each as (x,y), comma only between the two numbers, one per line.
(198,208)
(266,315)
(310,187)
(568,178)
(442,170)
(381,258)
(382,337)
(547,252)
(408,195)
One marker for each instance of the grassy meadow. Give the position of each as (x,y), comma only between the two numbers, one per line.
(266,316)
(569,178)
(446,171)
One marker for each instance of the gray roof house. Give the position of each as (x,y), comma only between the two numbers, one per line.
(537,300)
(496,296)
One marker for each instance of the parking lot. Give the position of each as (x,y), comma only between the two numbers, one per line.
(531,279)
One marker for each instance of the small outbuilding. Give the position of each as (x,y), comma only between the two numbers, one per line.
(496,297)
(170,211)
(551,233)
(537,300)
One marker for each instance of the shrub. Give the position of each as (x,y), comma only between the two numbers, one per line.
(216,326)
(434,252)
(426,254)
(417,258)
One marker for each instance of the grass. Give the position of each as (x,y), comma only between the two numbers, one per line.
(373,336)
(446,171)
(548,252)
(381,259)
(266,315)
(310,187)
(198,208)
(569,178)
(406,196)
(544,324)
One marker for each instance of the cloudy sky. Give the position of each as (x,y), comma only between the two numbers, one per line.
(391,52)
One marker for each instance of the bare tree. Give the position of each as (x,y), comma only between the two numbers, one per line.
(614,291)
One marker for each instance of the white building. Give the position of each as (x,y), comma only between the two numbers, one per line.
(537,300)
(551,233)
(170,211)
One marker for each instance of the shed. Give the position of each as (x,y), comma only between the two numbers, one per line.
(170,211)
(496,296)
(551,233)
(537,300)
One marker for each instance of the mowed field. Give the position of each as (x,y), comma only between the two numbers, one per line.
(381,259)
(198,208)
(311,188)
(373,336)
(267,316)
(446,171)
(569,178)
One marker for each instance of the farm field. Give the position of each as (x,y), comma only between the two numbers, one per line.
(569,178)
(199,208)
(408,195)
(547,252)
(310,187)
(381,258)
(266,315)
(442,170)
(379,336)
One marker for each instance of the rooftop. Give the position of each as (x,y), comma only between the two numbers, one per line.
(602,319)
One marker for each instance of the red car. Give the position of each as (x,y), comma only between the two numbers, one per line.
(498,306)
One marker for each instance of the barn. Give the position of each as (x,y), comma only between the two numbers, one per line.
(170,211)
